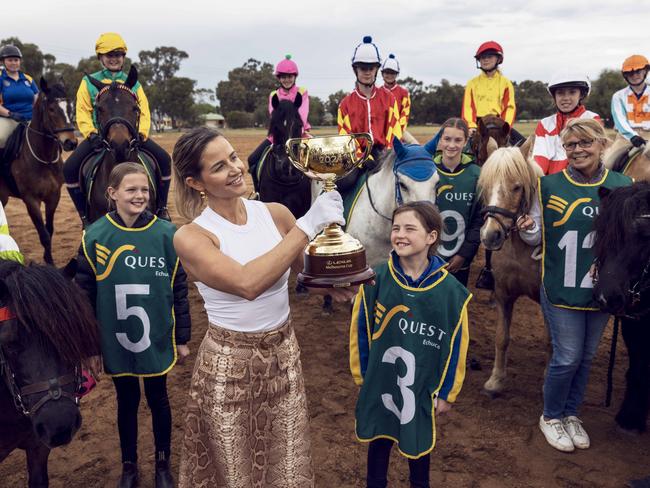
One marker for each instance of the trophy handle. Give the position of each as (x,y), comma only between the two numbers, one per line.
(366,149)
(290,146)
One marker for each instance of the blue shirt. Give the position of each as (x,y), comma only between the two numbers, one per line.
(18,95)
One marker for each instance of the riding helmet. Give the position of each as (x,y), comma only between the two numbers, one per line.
(391,64)
(10,51)
(366,52)
(634,63)
(109,42)
(287,66)
(570,80)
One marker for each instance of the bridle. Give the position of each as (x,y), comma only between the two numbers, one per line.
(133,129)
(493,211)
(399,199)
(48,134)
(52,388)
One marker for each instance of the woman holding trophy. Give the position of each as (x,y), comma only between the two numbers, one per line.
(246,420)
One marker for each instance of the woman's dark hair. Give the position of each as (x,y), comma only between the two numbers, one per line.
(455,123)
(117,175)
(427,214)
(187,163)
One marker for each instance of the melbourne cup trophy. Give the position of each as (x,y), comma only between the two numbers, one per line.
(334,258)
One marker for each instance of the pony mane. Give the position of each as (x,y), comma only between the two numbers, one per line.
(507,164)
(615,223)
(276,127)
(53,309)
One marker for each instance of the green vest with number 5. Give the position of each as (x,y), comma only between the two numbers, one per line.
(412,331)
(568,212)
(135,270)
(456,200)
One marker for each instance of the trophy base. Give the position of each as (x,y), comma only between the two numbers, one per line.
(336,271)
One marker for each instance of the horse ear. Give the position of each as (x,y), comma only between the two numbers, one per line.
(96,83)
(400,150)
(43,84)
(432,145)
(505,129)
(527,147)
(275,101)
(603,192)
(70,269)
(491,146)
(298,101)
(481,126)
(132,79)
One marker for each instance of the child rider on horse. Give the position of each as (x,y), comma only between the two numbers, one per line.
(111,51)
(408,346)
(630,106)
(286,71)
(134,279)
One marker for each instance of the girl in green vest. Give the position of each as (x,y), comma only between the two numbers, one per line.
(562,219)
(134,279)
(408,346)
(457,200)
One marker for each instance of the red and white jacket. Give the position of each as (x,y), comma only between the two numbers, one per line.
(548,151)
(376,115)
(403,99)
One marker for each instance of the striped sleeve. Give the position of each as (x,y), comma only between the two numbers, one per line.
(406,111)
(619,114)
(508,103)
(455,372)
(359,337)
(84,110)
(540,152)
(468,113)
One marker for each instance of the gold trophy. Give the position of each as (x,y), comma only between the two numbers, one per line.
(334,258)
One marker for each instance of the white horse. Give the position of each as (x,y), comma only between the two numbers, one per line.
(370,219)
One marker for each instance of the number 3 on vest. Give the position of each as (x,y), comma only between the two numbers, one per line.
(124,312)
(403,382)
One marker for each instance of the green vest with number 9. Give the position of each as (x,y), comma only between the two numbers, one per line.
(135,270)
(456,200)
(568,212)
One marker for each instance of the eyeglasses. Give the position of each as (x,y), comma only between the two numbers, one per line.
(584,144)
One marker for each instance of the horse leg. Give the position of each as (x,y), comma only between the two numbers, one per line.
(495,384)
(328,308)
(34,211)
(50,208)
(37,454)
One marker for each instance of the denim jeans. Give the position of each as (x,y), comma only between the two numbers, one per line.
(575,335)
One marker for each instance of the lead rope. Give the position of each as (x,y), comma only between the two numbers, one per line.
(612,357)
(31,149)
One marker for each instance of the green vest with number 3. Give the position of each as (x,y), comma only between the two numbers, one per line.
(568,212)
(134,270)
(413,330)
(456,200)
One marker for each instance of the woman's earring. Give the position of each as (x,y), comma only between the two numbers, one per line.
(202,193)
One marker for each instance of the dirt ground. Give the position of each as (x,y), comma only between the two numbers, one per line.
(482,443)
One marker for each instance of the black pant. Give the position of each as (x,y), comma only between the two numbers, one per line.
(128,400)
(378,457)
(73,163)
(462,275)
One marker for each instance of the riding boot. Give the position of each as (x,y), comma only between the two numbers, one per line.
(162,212)
(79,200)
(164,478)
(129,478)
(485,280)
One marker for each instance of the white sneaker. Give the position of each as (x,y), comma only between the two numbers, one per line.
(578,435)
(555,434)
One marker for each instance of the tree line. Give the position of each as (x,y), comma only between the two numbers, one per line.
(243,97)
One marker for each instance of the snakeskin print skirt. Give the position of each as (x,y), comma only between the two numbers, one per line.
(246,423)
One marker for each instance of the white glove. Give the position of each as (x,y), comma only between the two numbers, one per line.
(326,209)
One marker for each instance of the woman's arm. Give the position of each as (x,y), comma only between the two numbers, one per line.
(285,221)
(530,226)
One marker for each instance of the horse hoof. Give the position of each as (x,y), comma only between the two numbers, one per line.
(301,290)
(491,394)
(475,365)
(327,311)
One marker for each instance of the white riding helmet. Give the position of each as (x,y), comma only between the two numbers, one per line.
(366,52)
(390,63)
(570,80)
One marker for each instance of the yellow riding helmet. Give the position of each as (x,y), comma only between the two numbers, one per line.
(108,42)
(634,63)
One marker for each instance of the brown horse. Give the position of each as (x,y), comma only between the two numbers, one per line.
(36,174)
(508,185)
(488,127)
(637,167)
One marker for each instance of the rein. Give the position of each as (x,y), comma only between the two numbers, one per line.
(49,134)
(133,129)
(53,387)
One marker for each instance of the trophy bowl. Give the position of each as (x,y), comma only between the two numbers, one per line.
(333,259)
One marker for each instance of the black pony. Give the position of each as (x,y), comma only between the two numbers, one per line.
(279,181)
(623,287)
(47,328)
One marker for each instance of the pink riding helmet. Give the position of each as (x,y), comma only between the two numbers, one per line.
(286,66)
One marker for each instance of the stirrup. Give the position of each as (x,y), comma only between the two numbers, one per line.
(485,280)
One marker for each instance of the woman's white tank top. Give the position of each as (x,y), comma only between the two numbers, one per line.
(243,243)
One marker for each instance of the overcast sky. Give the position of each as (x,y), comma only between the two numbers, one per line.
(431,39)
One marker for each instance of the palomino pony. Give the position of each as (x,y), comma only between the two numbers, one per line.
(638,167)
(36,174)
(47,328)
(118,114)
(279,181)
(623,287)
(508,186)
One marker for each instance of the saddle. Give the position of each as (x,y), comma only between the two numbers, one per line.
(92,163)
(10,154)
(621,163)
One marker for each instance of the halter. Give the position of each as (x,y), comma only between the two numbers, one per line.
(52,387)
(133,130)
(494,211)
(49,134)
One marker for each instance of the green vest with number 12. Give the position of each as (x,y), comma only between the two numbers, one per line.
(456,200)
(135,270)
(412,333)
(568,212)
